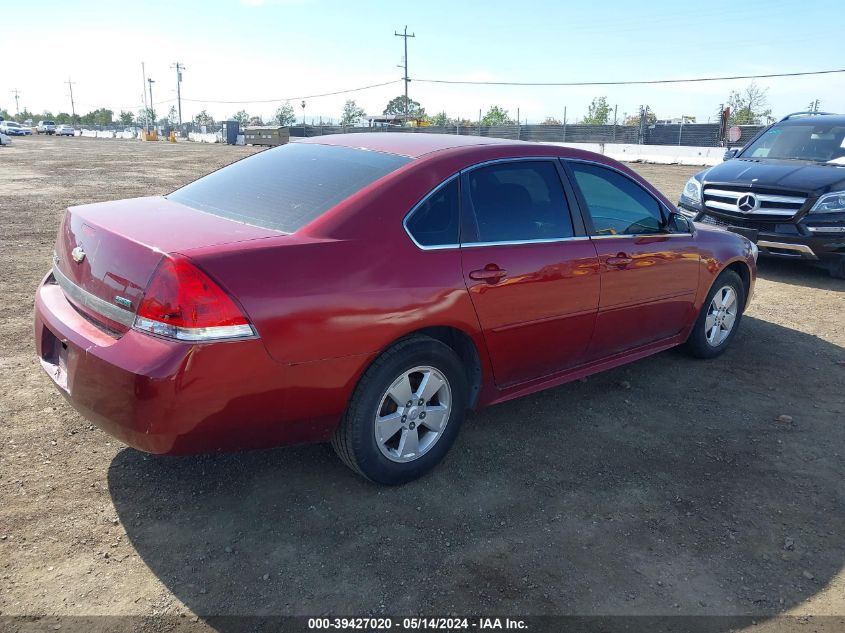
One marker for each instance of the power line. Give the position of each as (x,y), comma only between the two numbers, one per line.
(625,83)
(17,94)
(325,94)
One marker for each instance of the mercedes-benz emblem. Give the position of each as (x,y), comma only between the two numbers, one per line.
(78,254)
(747,203)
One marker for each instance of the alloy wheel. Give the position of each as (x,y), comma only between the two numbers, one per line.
(412,414)
(721,316)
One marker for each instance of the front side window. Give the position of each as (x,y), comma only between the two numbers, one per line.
(435,220)
(519,201)
(616,204)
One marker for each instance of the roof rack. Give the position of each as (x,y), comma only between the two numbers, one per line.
(807,113)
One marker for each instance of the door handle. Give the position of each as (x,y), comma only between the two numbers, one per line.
(490,273)
(620,261)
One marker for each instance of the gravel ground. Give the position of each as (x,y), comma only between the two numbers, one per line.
(669,486)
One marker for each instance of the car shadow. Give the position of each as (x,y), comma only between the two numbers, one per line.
(798,273)
(668,486)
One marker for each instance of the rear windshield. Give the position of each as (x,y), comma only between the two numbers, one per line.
(287,187)
(822,143)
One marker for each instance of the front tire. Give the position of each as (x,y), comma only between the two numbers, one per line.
(719,318)
(405,412)
(837,270)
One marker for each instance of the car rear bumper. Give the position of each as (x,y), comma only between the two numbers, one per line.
(171,397)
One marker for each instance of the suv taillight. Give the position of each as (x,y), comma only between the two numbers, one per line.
(183,303)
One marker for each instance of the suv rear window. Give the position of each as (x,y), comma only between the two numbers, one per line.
(287,187)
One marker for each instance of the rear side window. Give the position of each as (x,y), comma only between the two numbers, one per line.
(287,187)
(617,205)
(519,201)
(434,221)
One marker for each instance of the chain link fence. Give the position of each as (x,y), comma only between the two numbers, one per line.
(691,134)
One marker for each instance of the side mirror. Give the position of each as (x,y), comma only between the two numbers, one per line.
(731,153)
(678,223)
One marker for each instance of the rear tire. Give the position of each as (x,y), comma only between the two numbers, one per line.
(392,442)
(719,318)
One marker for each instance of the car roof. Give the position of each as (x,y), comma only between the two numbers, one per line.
(815,119)
(410,144)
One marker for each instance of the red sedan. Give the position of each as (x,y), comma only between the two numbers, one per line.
(368,289)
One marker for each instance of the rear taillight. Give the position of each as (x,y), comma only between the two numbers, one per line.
(183,303)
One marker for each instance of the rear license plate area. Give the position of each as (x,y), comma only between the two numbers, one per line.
(54,355)
(751,234)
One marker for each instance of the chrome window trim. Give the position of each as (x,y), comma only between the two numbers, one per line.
(515,159)
(554,240)
(85,298)
(639,235)
(434,247)
(662,204)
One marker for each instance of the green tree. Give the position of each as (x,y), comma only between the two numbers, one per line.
(598,112)
(241,117)
(100,116)
(126,118)
(441,118)
(748,107)
(550,120)
(173,117)
(146,116)
(23,115)
(285,115)
(396,106)
(204,118)
(4,114)
(351,114)
(633,120)
(256,121)
(496,116)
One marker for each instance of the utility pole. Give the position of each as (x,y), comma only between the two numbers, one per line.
(405,36)
(303,117)
(72,108)
(615,110)
(17,94)
(144,91)
(151,81)
(179,68)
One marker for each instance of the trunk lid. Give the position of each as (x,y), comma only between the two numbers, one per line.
(106,252)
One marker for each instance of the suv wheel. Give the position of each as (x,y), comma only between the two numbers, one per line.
(405,412)
(719,318)
(837,270)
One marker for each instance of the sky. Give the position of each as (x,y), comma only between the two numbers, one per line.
(273,50)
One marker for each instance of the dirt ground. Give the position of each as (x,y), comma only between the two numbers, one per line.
(665,487)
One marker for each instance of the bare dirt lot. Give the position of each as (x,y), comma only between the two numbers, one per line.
(665,487)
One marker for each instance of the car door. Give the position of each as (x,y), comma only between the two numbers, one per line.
(532,273)
(649,270)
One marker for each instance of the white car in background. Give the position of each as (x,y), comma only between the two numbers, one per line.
(12,128)
(64,130)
